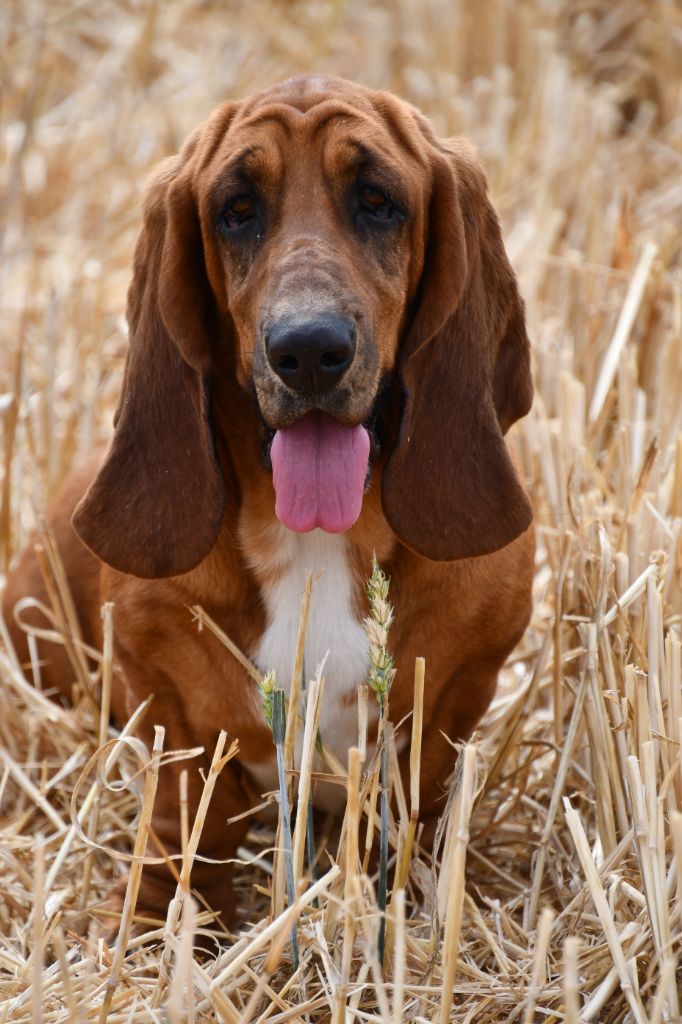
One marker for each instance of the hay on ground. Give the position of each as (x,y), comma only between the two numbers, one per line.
(557,893)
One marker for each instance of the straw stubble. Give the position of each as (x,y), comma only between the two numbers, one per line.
(576,117)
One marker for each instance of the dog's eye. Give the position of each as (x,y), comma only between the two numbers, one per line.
(376,203)
(238,211)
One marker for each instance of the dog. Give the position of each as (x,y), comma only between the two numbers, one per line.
(327,347)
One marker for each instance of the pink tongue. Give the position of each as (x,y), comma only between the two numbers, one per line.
(319,469)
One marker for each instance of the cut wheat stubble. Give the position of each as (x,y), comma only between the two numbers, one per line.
(579,132)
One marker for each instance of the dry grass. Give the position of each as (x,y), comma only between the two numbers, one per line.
(558,896)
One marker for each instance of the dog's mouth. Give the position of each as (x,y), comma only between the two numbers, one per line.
(320,470)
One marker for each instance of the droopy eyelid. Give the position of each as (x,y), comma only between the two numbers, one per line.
(237,178)
(385,189)
(373,171)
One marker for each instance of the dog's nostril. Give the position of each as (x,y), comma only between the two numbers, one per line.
(287,363)
(330,360)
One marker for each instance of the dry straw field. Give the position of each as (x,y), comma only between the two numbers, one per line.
(557,892)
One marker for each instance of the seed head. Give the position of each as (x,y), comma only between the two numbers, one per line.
(377,625)
(267,687)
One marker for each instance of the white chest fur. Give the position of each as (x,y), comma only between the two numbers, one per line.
(334,631)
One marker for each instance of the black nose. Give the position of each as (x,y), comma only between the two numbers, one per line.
(311,355)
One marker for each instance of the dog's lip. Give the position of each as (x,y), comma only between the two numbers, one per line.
(369,423)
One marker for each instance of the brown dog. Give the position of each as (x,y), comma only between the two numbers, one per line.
(327,346)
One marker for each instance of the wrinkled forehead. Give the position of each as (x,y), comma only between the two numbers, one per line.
(335,138)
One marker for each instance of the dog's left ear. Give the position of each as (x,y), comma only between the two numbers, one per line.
(156,506)
(449,490)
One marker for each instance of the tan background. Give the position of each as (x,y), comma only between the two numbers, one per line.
(576,110)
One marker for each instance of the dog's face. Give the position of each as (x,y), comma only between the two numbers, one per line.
(311,204)
(334,241)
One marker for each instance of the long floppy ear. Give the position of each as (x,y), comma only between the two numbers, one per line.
(449,490)
(156,506)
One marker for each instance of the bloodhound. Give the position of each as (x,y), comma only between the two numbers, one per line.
(327,347)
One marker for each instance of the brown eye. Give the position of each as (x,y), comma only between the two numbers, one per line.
(376,203)
(239,211)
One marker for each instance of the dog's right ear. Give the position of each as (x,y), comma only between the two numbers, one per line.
(156,506)
(450,490)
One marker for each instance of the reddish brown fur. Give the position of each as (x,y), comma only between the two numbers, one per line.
(183,503)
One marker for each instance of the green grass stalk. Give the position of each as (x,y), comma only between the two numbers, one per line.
(273,706)
(381,676)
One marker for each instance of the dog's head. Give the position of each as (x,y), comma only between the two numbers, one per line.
(340,245)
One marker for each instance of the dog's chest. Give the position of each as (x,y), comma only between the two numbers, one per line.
(334,631)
